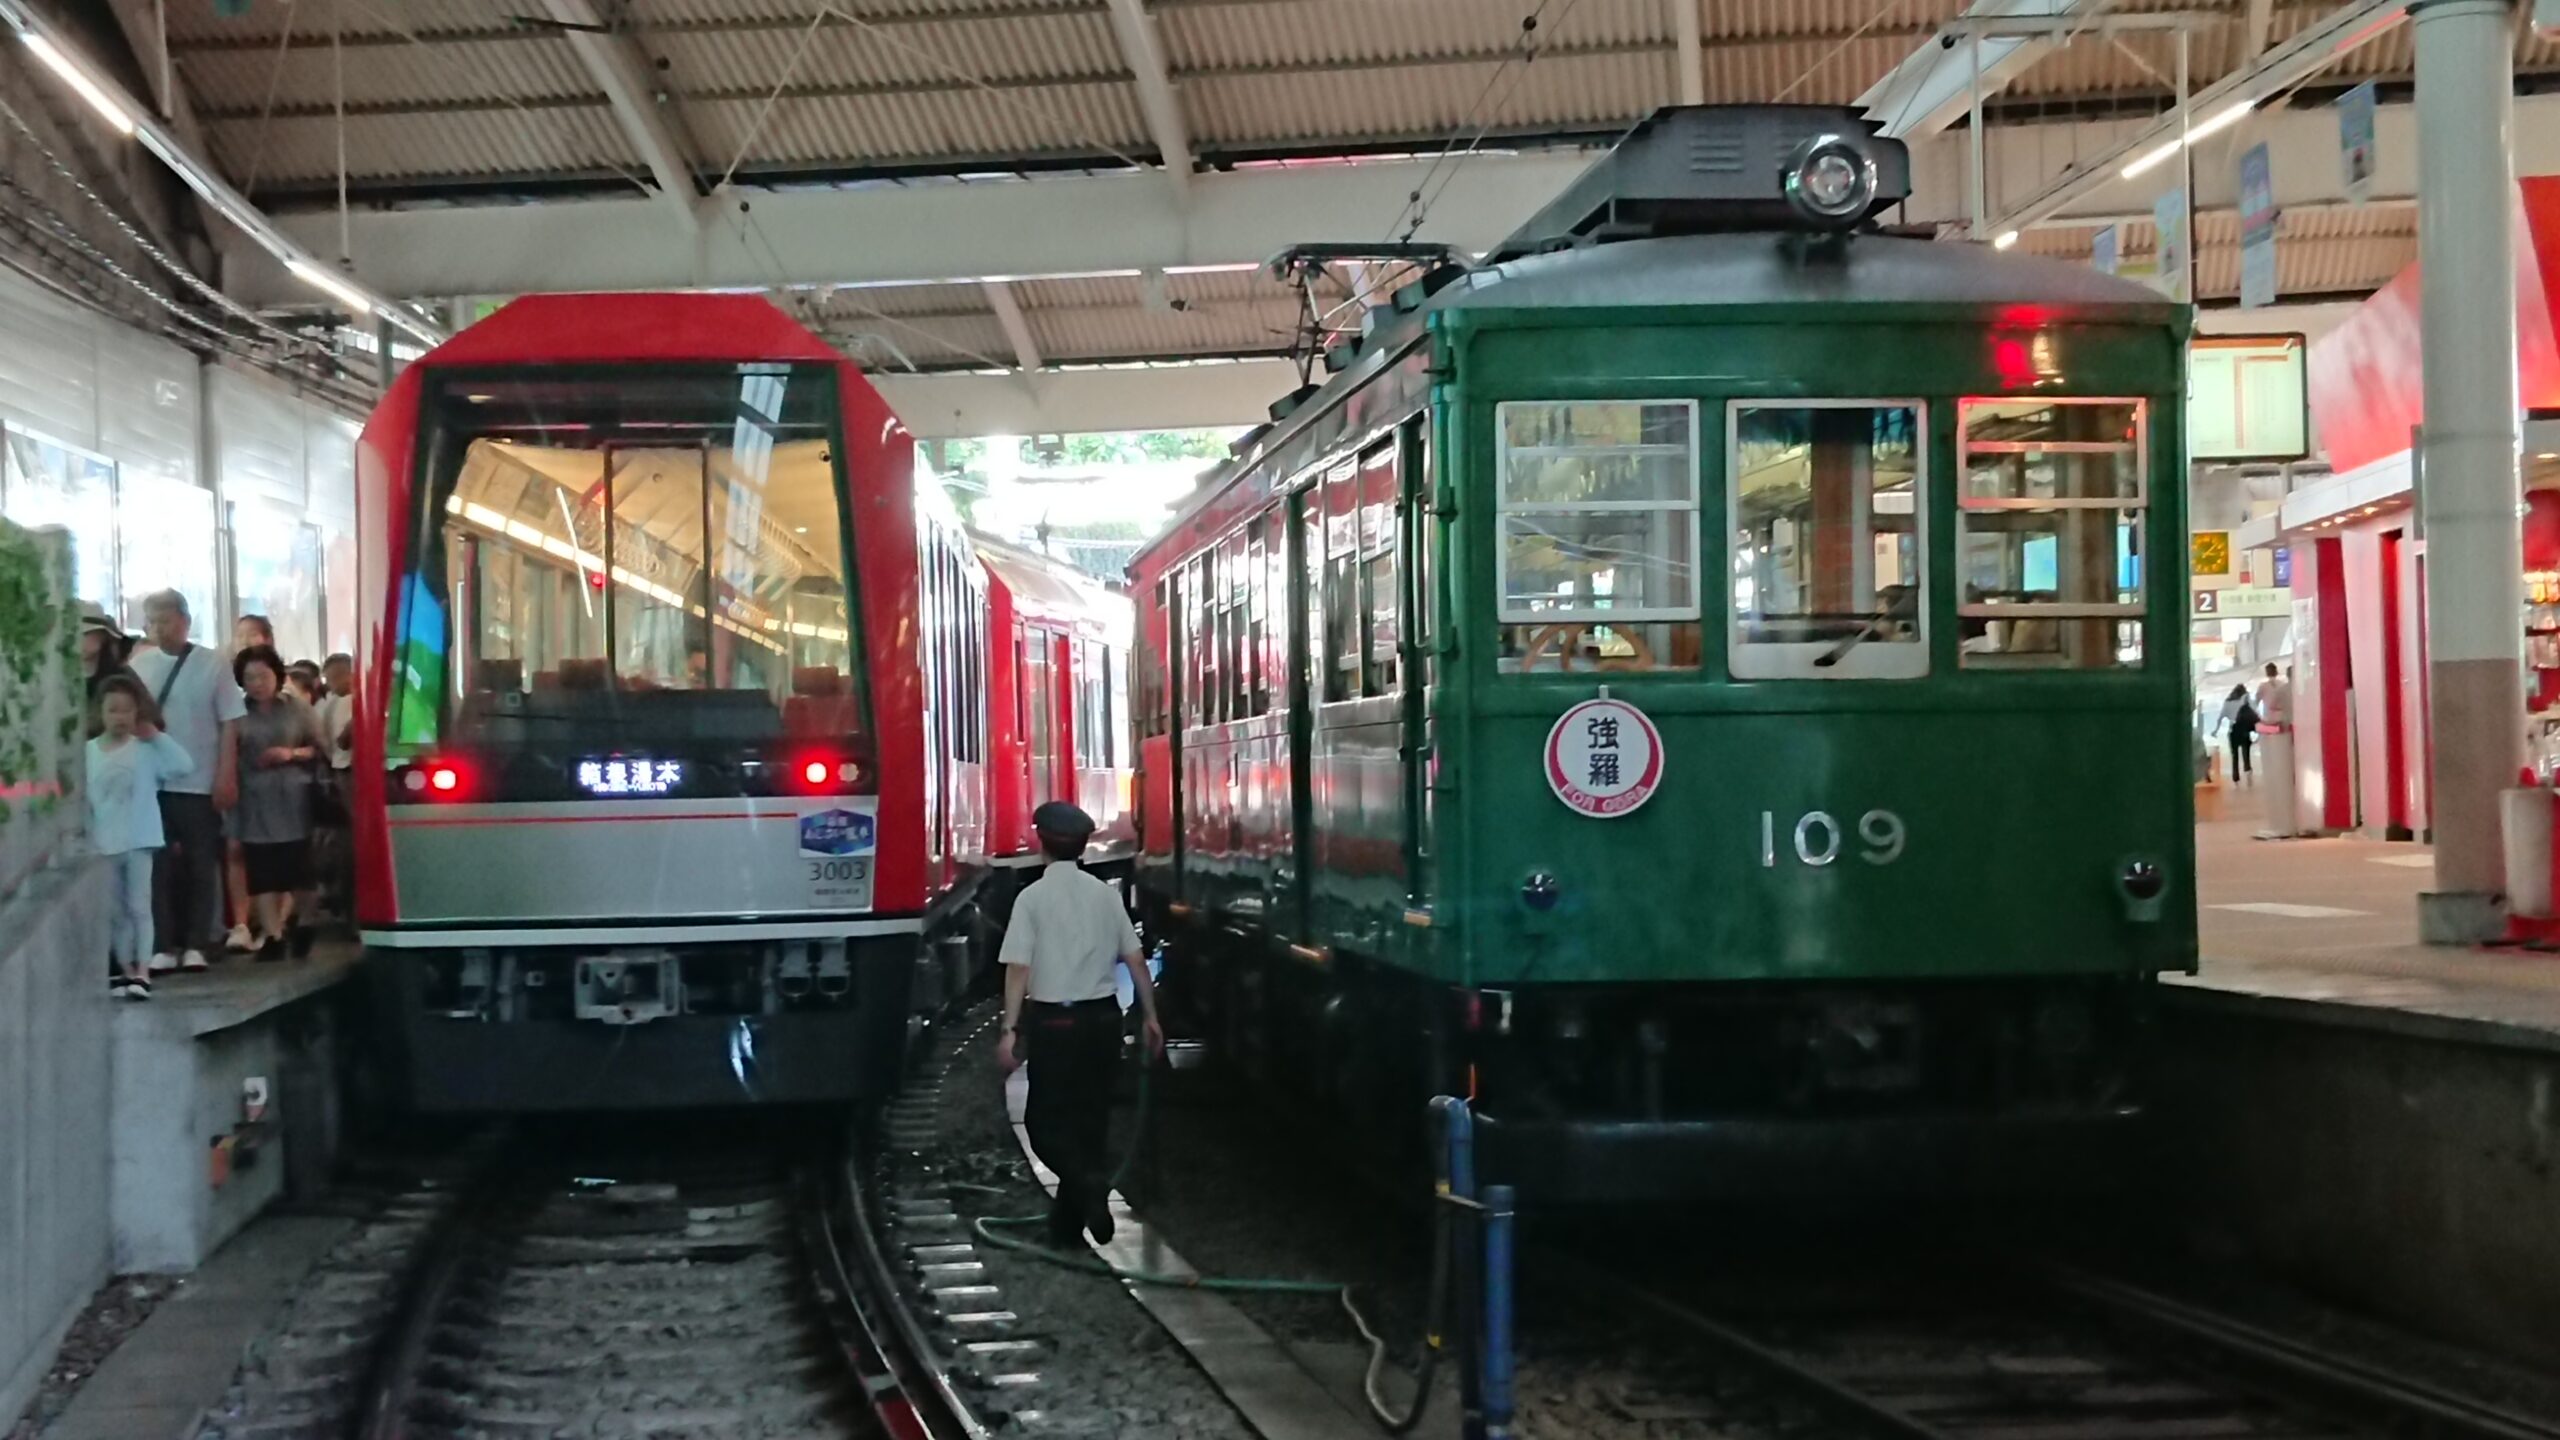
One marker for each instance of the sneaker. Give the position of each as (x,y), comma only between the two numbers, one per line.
(136,987)
(240,941)
(193,960)
(273,949)
(164,962)
(117,985)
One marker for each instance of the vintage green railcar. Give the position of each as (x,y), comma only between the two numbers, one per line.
(1708,681)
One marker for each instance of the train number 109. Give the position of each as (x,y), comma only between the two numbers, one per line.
(1818,838)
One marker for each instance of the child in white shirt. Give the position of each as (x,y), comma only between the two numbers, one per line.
(129,762)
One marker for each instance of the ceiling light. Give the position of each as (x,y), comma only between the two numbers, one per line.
(2004,239)
(343,291)
(60,64)
(2195,132)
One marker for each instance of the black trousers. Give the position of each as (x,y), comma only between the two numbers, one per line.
(187,874)
(1074,1054)
(2240,744)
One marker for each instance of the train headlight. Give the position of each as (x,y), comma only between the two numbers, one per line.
(1830,181)
(1541,891)
(2141,884)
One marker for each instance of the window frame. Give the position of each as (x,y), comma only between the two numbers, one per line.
(2138,505)
(1793,660)
(1693,506)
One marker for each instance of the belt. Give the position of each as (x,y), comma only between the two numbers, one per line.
(1072,1007)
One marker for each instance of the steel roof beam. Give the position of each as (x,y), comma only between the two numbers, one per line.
(1135,31)
(1017,331)
(1689,51)
(618,68)
(1935,83)
(2310,51)
(1153,397)
(2257,27)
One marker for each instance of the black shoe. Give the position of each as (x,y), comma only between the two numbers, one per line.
(273,950)
(303,937)
(1097,1221)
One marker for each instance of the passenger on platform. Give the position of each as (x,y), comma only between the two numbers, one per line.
(302,677)
(333,856)
(246,631)
(1068,929)
(280,743)
(130,763)
(2275,700)
(199,704)
(2239,726)
(103,650)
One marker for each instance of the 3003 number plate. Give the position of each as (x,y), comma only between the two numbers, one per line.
(839,883)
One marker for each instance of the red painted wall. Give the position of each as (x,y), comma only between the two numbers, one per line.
(2364,377)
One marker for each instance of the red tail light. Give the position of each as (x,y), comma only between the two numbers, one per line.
(435,779)
(443,779)
(816,773)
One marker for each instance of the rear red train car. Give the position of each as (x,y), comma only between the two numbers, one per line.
(670,772)
(1058,689)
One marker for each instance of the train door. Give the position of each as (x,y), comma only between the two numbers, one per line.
(1306,691)
(1065,680)
(1033,654)
(1172,594)
(1420,666)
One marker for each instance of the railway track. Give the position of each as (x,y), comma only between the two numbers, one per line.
(720,1291)
(2047,1355)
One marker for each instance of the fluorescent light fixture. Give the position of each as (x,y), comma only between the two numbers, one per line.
(60,64)
(2152,158)
(319,279)
(2004,239)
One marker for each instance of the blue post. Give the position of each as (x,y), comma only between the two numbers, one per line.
(1458,1182)
(1496,1382)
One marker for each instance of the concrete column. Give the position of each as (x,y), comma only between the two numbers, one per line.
(2472,497)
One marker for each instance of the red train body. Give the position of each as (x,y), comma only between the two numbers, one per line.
(676,779)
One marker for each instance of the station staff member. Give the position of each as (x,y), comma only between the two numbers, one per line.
(1068,930)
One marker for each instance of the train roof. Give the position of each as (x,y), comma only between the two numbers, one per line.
(1054,591)
(605,329)
(1747,274)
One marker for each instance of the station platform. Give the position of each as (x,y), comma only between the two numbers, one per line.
(224,1099)
(2326,929)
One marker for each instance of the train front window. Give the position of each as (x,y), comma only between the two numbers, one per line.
(1828,502)
(2051,545)
(644,557)
(1598,556)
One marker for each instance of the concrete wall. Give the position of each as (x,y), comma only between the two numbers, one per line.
(54,1082)
(2411,1176)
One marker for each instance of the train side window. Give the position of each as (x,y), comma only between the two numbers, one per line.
(1418,543)
(1195,632)
(1378,530)
(2050,533)
(1597,564)
(1256,665)
(1829,507)
(1342,641)
(1311,563)
(1236,576)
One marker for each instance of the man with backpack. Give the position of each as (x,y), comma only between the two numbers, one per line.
(2240,720)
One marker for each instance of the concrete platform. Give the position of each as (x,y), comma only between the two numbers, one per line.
(194,1156)
(2364,1117)
(180,1360)
(2326,932)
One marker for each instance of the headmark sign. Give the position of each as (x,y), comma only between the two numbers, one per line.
(2209,552)
(1604,758)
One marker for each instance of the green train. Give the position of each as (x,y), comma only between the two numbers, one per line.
(1707,681)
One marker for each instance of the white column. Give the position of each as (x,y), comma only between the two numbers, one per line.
(2475,581)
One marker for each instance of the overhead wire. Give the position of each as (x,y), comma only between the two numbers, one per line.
(1532,43)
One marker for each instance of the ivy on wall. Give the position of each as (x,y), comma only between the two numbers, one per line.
(40,700)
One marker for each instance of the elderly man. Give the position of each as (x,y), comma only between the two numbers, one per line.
(200,707)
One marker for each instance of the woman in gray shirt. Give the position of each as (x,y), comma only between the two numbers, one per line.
(280,742)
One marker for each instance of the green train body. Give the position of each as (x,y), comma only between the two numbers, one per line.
(1898,909)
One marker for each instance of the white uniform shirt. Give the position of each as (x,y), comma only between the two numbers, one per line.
(201,699)
(1071,929)
(2275,703)
(124,785)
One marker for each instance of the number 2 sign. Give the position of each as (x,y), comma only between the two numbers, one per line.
(1604,758)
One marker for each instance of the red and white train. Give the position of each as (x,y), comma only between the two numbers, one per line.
(695,731)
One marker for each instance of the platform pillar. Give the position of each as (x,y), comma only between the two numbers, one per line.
(2471,495)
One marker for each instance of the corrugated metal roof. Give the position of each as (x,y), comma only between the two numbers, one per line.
(2326,251)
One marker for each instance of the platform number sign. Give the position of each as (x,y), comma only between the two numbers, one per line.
(1604,758)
